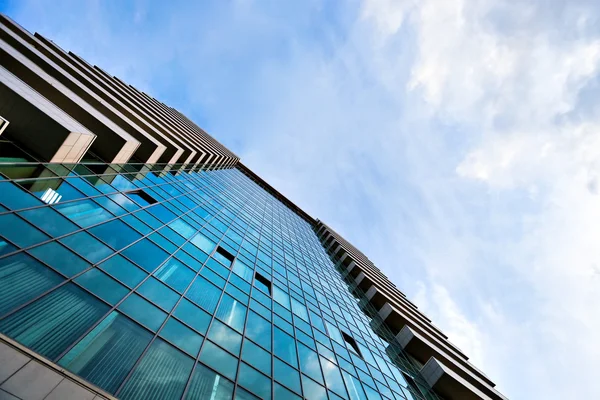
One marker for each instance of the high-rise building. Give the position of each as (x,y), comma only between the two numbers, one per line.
(140,259)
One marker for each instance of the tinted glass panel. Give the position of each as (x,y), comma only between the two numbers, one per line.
(105,356)
(162,374)
(60,258)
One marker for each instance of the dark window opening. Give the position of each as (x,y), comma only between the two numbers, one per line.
(262,283)
(351,342)
(223,256)
(142,198)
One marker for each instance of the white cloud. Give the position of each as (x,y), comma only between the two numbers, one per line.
(520,90)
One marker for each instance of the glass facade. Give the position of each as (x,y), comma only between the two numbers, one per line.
(188,284)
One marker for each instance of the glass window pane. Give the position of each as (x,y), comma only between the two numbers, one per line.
(49,221)
(207,384)
(193,316)
(146,254)
(20,232)
(256,357)
(333,378)
(116,234)
(161,374)
(87,246)
(188,260)
(281,297)
(254,381)
(354,387)
(225,337)
(205,294)
(159,293)
(182,228)
(124,270)
(175,274)
(242,394)
(105,356)
(203,243)
(313,390)
(259,330)
(281,393)
(242,270)
(102,286)
(22,278)
(182,336)
(284,346)
(299,309)
(232,312)
(15,198)
(309,363)
(60,258)
(334,332)
(84,212)
(52,323)
(6,247)
(286,375)
(143,311)
(219,360)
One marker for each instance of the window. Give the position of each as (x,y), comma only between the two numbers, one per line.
(141,197)
(223,256)
(351,343)
(262,283)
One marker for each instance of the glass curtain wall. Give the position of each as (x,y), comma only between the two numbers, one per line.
(182,284)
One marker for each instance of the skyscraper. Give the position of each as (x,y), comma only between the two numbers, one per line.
(140,259)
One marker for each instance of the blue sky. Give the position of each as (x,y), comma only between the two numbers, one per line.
(455,142)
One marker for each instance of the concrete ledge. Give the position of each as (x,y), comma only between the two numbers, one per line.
(424,351)
(451,386)
(24,374)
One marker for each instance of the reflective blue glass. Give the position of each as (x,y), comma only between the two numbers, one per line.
(22,278)
(242,270)
(87,246)
(192,315)
(20,232)
(286,375)
(309,363)
(312,390)
(254,381)
(59,258)
(161,374)
(49,221)
(181,336)
(281,393)
(6,247)
(15,198)
(105,356)
(175,274)
(143,311)
(158,293)
(146,254)
(225,337)
(284,346)
(84,212)
(49,325)
(102,286)
(116,234)
(219,360)
(257,357)
(232,312)
(333,377)
(203,243)
(204,294)
(206,384)
(259,330)
(124,270)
